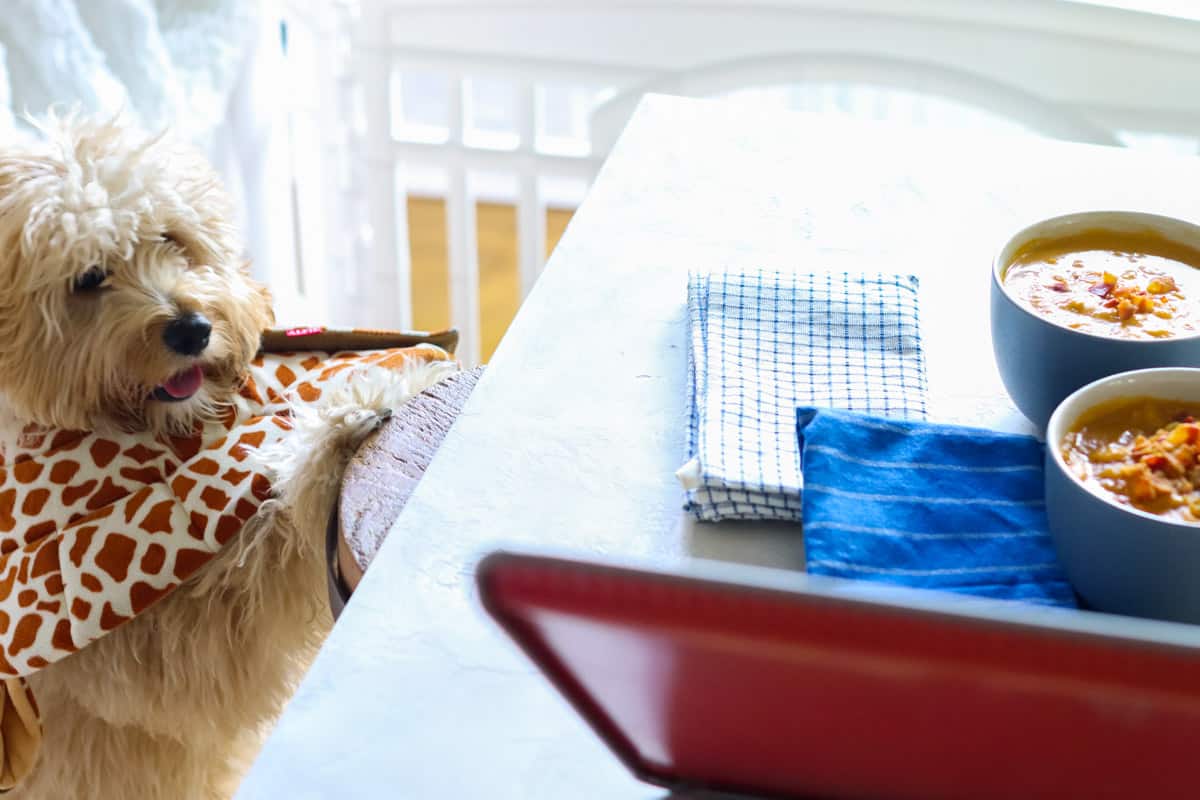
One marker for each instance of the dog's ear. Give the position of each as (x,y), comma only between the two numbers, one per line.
(29,214)
(9,177)
(14,169)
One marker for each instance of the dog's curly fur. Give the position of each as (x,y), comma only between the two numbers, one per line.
(170,704)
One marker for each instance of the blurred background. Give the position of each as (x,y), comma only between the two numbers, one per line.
(411,164)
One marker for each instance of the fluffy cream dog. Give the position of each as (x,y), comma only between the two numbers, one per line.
(125,305)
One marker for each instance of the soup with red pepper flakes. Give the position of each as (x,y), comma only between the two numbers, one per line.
(1144,452)
(1125,285)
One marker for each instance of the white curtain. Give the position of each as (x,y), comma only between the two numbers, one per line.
(209,69)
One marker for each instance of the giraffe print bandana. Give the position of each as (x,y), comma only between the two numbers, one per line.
(94,529)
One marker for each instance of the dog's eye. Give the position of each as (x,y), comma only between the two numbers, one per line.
(174,240)
(95,278)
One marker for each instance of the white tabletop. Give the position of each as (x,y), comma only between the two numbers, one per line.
(572,436)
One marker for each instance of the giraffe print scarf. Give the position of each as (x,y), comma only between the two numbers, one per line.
(94,529)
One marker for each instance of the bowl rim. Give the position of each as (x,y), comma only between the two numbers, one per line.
(1057,421)
(998,266)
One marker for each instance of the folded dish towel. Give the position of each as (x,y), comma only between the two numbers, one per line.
(762,343)
(930,506)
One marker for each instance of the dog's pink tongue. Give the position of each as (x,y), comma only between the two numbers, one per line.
(184,384)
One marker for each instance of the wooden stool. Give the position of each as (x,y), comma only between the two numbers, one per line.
(382,476)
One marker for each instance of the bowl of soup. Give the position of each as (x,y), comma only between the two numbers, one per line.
(1123,492)
(1082,296)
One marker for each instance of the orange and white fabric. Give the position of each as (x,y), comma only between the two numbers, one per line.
(95,529)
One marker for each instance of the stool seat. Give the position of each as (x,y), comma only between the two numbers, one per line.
(386,469)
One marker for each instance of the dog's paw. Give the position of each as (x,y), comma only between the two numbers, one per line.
(358,403)
(350,424)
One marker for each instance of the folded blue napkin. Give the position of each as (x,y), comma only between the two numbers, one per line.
(929,506)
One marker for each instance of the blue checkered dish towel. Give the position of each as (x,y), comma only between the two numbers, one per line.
(928,506)
(762,343)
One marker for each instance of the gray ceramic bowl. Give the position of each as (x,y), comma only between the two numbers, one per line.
(1042,362)
(1120,559)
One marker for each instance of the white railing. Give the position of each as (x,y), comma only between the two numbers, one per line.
(464,164)
(1049,67)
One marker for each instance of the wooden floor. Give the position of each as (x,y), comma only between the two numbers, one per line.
(499,276)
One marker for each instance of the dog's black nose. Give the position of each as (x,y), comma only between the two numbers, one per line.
(188,334)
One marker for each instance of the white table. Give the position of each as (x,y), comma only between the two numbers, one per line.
(573,435)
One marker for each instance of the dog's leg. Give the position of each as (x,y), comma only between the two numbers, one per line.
(95,760)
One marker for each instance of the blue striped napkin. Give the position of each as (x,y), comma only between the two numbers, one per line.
(928,506)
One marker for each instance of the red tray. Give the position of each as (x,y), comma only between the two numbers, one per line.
(781,684)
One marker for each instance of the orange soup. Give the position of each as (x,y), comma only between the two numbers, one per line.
(1125,285)
(1144,452)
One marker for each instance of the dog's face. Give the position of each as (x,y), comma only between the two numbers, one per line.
(124,298)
